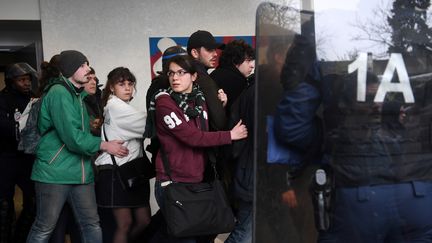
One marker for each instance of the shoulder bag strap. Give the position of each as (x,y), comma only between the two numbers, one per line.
(211,158)
(106,139)
(165,162)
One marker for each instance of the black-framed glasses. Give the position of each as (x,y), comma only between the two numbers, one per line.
(179,73)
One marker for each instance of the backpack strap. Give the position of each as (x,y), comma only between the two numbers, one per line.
(165,163)
(45,92)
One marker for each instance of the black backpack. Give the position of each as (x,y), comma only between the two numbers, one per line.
(30,136)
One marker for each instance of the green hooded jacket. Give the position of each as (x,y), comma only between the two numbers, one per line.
(66,146)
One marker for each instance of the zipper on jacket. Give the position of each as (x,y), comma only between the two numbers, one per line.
(82,127)
(82,169)
(57,154)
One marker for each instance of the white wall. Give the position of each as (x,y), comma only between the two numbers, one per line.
(116,33)
(19,10)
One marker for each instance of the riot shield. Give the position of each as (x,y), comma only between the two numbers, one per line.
(343,104)
(281,177)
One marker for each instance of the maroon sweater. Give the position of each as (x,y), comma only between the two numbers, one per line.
(183,141)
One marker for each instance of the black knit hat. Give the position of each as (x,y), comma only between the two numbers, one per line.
(70,61)
(202,38)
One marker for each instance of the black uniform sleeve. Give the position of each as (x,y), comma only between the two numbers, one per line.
(7,123)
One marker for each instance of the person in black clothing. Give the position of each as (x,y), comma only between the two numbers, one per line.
(377,150)
(236,64)
(15,166)
(202,47)
(93,102)
(243,178)
(283,196)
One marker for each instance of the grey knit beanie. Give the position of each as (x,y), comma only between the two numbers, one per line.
(70,61)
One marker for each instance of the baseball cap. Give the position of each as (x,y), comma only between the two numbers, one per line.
(202,38)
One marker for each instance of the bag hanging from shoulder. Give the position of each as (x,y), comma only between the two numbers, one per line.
(134,173)
(193,209)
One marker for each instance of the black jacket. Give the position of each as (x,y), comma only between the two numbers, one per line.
(159,82)
(367,145)
(217,115)
(231,80)
(95,111)
(10,100)
(243,150)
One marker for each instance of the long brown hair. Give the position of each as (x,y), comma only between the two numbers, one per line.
(117,75)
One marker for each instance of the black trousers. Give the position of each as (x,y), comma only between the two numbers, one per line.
(15,169)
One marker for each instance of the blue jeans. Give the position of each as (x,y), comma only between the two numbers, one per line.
(242,232)
(50,199)
(395,213)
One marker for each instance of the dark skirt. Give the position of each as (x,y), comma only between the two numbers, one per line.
(110,194)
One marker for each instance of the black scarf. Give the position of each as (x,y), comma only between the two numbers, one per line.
(183,101)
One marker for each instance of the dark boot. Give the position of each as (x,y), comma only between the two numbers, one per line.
(6,219)
(25,221)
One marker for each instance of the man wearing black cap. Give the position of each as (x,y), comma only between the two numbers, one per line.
(202,47)
(62,170)
(15,166)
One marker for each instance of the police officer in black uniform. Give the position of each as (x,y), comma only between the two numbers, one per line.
(381,156)
(378,145)
(15,166)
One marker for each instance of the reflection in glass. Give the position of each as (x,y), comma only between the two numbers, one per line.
(282,213)
(344,86)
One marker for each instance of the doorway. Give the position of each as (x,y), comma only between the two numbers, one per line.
(20,41)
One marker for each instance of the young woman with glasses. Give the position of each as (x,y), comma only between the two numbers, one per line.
(181,125)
